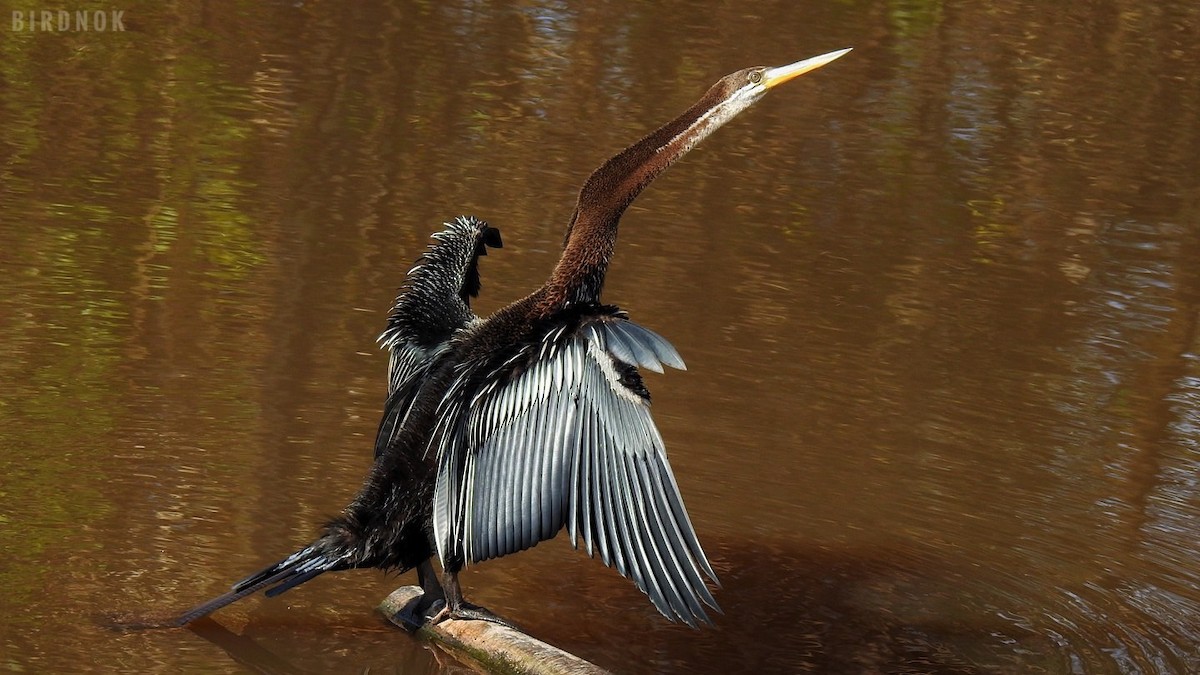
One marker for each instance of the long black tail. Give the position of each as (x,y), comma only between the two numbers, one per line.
(290,572)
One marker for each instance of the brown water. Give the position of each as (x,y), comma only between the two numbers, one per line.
(939,304)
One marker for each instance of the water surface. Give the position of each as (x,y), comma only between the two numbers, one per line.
(938,301)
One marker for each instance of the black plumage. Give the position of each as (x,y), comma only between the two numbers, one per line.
(433,304)
(385,525)
(499,433)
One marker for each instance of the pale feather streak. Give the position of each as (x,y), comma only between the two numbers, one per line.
(566,443)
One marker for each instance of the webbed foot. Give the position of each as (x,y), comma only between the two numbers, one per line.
(472,612)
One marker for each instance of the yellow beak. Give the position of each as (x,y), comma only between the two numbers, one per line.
(776,76)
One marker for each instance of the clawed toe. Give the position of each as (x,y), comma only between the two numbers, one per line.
(464,612)
(476,613)
(458,608)
(433,612)
(440,616)
(424,611)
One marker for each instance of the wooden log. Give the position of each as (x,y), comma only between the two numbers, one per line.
(496,648)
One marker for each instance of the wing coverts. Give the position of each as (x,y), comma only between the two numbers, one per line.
(560,434)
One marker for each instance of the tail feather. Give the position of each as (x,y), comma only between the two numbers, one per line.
(291,583)
(288,573)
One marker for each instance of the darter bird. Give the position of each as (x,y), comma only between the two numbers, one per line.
(500,432)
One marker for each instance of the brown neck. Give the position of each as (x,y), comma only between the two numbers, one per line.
(592,233)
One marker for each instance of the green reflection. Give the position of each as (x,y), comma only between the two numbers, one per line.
(121,157)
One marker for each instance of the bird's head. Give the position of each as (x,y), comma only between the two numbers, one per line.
(739,90)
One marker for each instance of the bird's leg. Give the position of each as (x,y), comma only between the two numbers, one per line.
(433,598)
(458,608)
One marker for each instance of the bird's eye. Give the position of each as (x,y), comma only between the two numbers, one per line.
(756,77)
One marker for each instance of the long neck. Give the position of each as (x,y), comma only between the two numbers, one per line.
(592,233)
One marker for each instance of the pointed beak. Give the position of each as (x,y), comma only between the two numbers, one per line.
(776,76)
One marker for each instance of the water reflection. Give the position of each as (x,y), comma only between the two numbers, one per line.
(939,309)
(275,652)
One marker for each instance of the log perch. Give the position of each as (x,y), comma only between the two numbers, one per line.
(495,648)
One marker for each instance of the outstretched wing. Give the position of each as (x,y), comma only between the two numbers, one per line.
(561,435)
(433,304)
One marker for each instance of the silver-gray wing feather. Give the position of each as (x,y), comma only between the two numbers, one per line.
(569,441)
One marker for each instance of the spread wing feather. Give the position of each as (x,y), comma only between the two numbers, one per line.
(432,306)
(568,441)
(408,365)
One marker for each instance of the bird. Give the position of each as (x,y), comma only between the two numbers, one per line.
(498,433)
